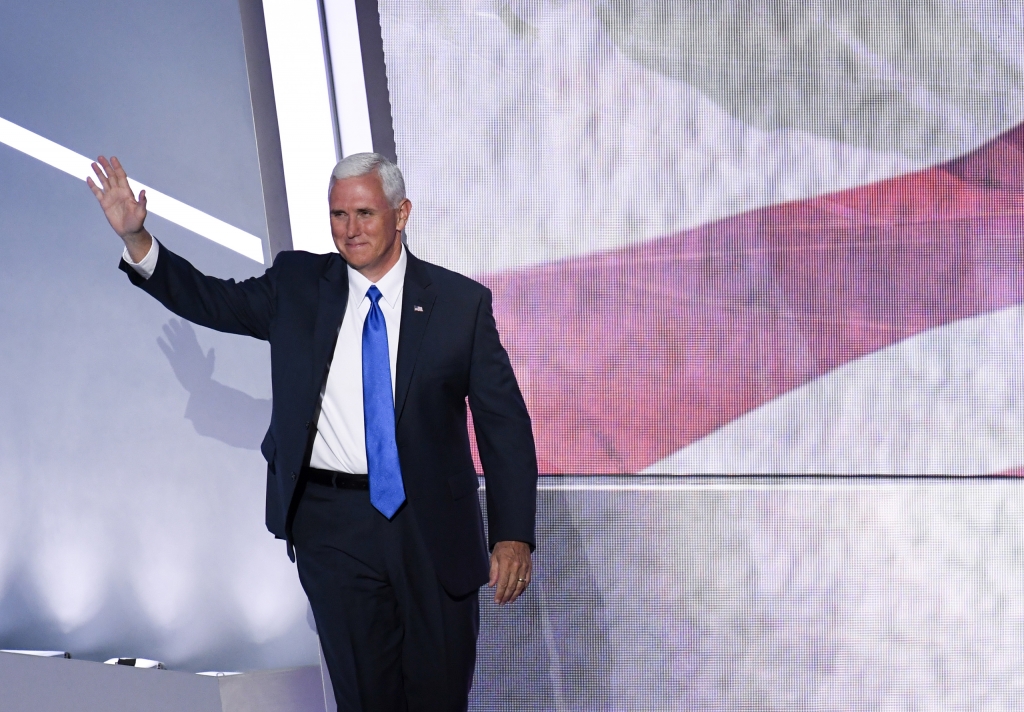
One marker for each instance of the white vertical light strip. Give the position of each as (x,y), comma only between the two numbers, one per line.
(347,70)
(64,159)
(297,65)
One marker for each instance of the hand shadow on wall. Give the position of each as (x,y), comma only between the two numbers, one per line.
(216,411)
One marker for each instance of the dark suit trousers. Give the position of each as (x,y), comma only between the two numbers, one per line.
(393,639)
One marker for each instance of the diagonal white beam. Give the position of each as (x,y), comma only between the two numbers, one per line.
(165,206)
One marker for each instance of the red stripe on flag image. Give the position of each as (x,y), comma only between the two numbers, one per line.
(628,356)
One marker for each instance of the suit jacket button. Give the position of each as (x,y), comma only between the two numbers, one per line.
(294,475)
(308,423)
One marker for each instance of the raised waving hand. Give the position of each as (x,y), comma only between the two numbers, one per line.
(124,213)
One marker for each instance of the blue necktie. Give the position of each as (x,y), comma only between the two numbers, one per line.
(386,490)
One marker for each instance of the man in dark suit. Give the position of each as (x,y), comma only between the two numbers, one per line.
(369,474)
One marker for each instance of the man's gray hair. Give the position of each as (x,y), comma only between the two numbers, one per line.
(361,164)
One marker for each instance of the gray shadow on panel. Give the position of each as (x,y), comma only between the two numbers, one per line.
(216,411)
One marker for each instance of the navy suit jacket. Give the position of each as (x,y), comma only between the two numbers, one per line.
(448,350)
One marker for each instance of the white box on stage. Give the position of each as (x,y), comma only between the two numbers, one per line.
(43,684)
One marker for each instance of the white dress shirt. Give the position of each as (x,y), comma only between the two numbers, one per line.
(340,442)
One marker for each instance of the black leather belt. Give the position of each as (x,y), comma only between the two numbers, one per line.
(340,480)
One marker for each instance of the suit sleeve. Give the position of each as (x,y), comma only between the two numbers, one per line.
(504,436)
(245,308)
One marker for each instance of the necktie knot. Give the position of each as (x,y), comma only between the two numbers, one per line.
(374,294)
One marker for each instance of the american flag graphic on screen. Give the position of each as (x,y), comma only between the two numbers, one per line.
(771,239)
(658,346)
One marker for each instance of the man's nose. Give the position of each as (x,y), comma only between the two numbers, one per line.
(352,228)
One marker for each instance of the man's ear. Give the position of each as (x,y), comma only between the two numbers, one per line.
(404,209)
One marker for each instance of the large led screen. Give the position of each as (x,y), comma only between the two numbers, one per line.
(757,267)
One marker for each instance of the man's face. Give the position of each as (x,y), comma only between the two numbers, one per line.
(366,230)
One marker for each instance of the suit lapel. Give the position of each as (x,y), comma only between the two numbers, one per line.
(417,303)
(333,300)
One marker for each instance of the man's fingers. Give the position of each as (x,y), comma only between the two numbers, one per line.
(494,572)
(510,582)
(501,579)
(108,169)
(520,588)
(525,575)
(120,176)
(115,173)
(94,188)
(520,578)
(101,175)
(523,579)
(509,578)
(502,594)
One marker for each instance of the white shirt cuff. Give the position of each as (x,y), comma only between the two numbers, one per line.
(147,265)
